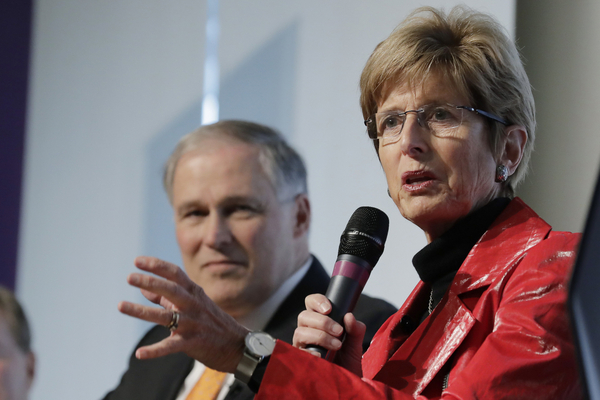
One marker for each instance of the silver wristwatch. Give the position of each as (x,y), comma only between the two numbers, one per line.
(258,346)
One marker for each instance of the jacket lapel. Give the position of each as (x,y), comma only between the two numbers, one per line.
(422,354)
(283,323)
(395,331)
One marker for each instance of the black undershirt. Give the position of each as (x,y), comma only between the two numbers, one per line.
(438,262)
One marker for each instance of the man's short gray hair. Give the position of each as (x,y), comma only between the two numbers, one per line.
(282,164)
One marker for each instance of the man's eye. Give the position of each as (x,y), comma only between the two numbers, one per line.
(194,214)
(242,211)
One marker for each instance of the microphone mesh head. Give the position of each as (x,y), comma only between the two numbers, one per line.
(365,234)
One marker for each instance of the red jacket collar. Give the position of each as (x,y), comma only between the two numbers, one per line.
(514,232)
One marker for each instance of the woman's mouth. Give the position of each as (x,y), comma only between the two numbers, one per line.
(413,181)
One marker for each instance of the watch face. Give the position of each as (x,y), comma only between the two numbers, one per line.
(260,343)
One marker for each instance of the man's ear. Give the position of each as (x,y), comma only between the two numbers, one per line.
(30,365)
(514,147)
(302,215)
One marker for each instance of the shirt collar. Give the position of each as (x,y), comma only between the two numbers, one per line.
(258,318)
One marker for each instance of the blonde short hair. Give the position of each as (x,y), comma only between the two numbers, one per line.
(471,50)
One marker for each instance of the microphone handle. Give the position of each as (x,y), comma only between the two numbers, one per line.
(343,293)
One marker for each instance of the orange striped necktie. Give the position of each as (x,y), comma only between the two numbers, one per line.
(208,386)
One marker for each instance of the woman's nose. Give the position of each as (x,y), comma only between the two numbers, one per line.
(412,139)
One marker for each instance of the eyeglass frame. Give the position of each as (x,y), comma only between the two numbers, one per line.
(468,108)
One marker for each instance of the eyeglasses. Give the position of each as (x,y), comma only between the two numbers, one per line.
(443,120)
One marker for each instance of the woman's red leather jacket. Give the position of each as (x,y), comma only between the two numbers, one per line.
(500,332)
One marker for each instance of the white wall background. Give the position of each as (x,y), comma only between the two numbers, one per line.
(114,85)
(560,44)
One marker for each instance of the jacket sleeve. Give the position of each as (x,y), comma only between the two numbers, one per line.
(294,374)
(527,355)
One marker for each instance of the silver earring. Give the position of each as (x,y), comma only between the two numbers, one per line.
(501,173)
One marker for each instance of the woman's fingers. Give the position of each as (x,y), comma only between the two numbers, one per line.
(173,292)
(318,303)
(199,327)
(164,269)
(320,322)
(317,329)
(355,330)
(151,314)
(304,337)
(154,298)
(171,289)
(350,357)
(170,345)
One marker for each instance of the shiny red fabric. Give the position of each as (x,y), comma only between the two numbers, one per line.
(500,332)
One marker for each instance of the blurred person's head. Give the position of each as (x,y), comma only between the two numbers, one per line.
(242,213)
(17,361)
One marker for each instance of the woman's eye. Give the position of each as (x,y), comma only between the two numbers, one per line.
(390,123)
(441,114)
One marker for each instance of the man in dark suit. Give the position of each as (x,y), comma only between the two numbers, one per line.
(242,216)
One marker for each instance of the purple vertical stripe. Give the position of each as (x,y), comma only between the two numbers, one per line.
(15,34)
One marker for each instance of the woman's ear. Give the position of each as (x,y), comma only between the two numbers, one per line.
(514,146)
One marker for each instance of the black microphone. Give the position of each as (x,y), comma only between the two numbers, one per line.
(361,245)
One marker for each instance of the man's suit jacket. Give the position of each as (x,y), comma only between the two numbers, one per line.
(162,378)
(500,332)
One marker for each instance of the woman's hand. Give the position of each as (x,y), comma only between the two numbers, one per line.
(204,331)
(316,328)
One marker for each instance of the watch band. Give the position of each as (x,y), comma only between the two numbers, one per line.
(252,366)
(257,376)
(246,367)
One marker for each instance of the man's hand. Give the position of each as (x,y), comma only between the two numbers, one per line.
(316,328)
(205,332)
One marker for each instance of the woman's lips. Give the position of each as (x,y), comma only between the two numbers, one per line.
(414,181)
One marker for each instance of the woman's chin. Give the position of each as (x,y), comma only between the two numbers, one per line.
(432,214)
